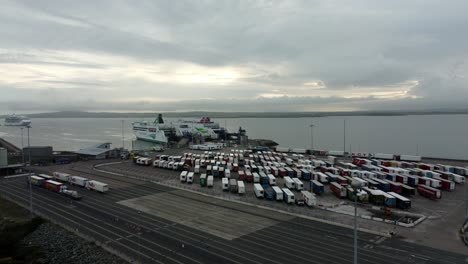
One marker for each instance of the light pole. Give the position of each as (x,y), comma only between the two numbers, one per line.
(344,137)
(123,136)
(29,146)
(356,185)
(22,145)
(312,138)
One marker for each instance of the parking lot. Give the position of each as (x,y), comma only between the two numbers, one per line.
(435,211)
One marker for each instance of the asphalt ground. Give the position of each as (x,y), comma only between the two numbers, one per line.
(150,238)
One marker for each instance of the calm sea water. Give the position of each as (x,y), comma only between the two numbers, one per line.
(430,135)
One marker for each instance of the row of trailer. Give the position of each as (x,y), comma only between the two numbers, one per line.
(49,184)
(398,179)
(79,181)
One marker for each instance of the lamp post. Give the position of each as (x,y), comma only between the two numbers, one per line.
(312,137)
(344,137)
(22,145)
(29,147)
(356,185)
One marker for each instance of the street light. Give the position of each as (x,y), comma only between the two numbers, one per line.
(312,138)
(123,136)
(356,185)
(29,146)
(22,145)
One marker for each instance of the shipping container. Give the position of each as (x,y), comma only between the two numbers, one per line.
(410,158)
(435,183)
(429,192)
(183,176)
(389,200)
(249,176)
(278,193)
(338,190)
(203,179)
(190,176)
(298,184)
(197,169)
(233,185)
(282,172)
(53,186)
(288,196)
(424,181)
(306,174)
(376,197)
(225,184)
(256,177)
(338,153)
(36,180)
(289,183)
(384,156)
(258,190)
(395,187)
(401,202)
(407,190)
(309,198)
(272,179)
(316,187)
(447,185)
(240,187)
(241,175)
(209,181)
(268,192)
(412,180)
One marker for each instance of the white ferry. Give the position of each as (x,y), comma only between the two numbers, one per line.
(14,120)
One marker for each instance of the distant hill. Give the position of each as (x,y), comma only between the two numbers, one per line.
(196,114)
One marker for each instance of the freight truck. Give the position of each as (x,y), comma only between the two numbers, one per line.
(60,176)
(97,186)
(77,180)
(309,198)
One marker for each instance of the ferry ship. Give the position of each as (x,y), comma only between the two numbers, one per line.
(14,120)
(159,132)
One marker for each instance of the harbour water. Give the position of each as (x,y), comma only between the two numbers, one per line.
(443,136)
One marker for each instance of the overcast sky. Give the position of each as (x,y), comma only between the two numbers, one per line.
(232,55)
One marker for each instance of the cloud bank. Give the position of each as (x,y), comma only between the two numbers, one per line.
(232,55)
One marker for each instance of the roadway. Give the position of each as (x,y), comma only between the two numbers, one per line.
(200,229)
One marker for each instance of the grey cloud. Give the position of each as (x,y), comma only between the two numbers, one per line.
(366,44)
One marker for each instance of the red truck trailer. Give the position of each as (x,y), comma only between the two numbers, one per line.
(447,185)
(429,192)
(53,186)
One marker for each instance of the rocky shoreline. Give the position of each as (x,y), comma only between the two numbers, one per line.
(56,245)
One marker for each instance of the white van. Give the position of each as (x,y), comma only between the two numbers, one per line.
(209,181)
(183,176)
(271,179)
(298,184)
(241,187)
(190,177)
(225,184)
(289,183)
(288,196)
(278,193)
(258,190)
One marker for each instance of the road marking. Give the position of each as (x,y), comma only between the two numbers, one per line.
(421,257)
(380,240)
